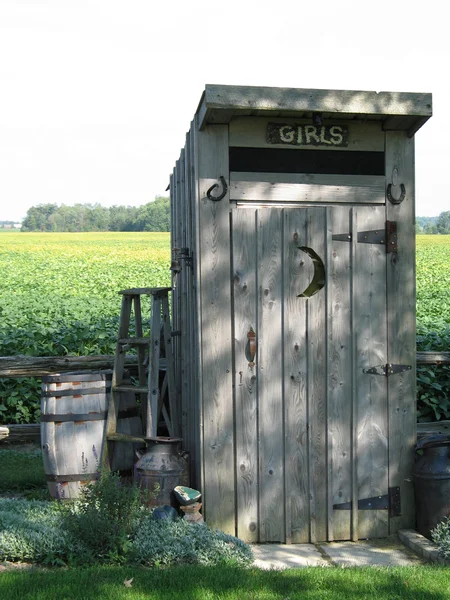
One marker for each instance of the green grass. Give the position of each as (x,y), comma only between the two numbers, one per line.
(21,471)
(226,583)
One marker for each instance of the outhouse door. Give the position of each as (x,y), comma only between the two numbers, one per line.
(311,408)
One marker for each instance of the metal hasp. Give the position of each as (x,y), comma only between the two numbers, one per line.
(387,237)
(387,369)
(186,255)
(389,501)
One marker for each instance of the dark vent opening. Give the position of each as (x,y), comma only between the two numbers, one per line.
(275,160)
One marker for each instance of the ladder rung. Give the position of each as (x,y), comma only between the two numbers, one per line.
(146,291)
(138,389)
(124,437)
(135,341)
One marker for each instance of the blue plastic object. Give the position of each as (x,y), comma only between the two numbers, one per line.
(165,512)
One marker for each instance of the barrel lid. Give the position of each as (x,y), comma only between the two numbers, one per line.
(78,376)
(433,441)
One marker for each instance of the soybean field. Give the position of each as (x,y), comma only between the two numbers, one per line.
(59,296)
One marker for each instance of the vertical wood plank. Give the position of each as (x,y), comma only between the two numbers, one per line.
(340,381)
(187,329)
(270,368)
(370,328)
(298,272)
(354,517)
(191,406)
(317,383)
(216,343)
(329,425)
(195,415)
(183,285)
(177,297)
(245,318)
(401,331)
(175,243)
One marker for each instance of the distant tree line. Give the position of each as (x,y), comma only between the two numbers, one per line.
(153,216)
(433,225)
(8,224)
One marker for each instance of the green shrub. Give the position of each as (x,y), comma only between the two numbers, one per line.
(20,400)
(433,381)
(105,518)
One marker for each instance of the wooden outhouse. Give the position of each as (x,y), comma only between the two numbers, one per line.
(293,242)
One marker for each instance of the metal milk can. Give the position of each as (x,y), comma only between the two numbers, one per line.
(432,482)
(161,469)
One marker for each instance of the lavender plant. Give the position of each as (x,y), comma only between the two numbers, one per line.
(441,537)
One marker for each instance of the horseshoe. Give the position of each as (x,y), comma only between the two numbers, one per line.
(391,197)
(214,186)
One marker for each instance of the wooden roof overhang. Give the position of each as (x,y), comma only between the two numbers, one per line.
(396,110)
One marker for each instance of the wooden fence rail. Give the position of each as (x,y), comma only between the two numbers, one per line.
(433,358)
(30,366)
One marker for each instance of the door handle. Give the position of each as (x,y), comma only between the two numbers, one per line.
(251,336)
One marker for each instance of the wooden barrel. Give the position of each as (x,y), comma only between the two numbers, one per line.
(73,420)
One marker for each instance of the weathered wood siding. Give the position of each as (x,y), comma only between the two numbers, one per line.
(215,325)
(184,244)
(401,325)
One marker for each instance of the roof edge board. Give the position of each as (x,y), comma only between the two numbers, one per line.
(216,98)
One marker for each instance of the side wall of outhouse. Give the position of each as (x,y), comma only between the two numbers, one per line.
(293,259)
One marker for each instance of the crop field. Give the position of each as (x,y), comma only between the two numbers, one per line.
(433,324)
(433,283)
(59,295)
(59,292)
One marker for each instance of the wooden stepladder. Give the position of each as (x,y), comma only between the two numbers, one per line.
(150,365)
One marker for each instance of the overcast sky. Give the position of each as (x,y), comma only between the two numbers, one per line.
(96,96)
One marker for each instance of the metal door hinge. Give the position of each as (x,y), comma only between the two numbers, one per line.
(386,236)
(179,254)
(387,369)
(186,255)
(389,501)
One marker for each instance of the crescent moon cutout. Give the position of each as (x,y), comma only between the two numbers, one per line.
(318,280)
